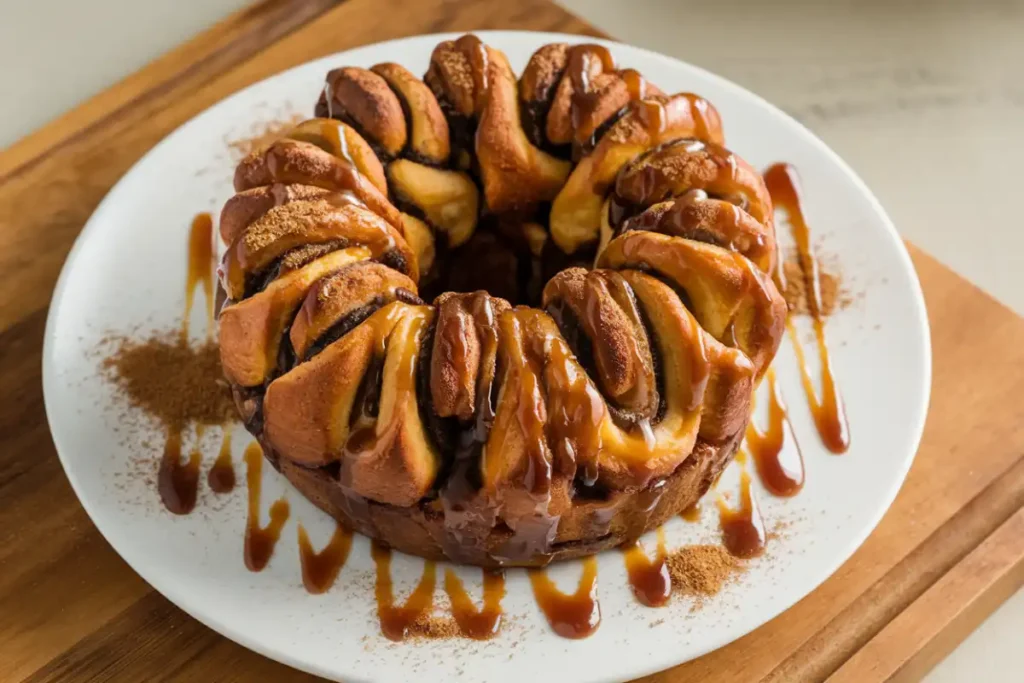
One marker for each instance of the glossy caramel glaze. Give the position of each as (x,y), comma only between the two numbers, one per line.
(221,475)
(776,453)
(201,265)
(321,568)
(692,513)
(828,411)
(476,623)
(743,532)
(570,615)
(649,578)
(260,540)
(178,481)
(396,620)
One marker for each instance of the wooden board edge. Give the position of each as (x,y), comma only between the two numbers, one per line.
(934,624)
(872,611)
(228,42)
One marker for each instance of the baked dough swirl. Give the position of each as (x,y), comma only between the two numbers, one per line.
(472,428)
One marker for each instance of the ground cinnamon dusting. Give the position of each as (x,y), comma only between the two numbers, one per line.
(434,627)
(833,296)
(171,380)
(263,135)
(701,570)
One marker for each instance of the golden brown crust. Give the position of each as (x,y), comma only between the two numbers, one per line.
(302,223)
(734,301)
(462,358)
(684,165)
(251,330)
(365,97)
(342,141)
(428,130)
(301,163)
(516,175)
(576,211)
(342,293)
(696,216)
(245,207)
(603,306)
(584,528)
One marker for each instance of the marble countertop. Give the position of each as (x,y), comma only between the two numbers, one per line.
(923,99)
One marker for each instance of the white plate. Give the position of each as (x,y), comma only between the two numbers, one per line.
(127,269)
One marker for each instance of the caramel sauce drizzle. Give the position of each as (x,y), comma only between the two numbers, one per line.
(178,482)
(649,579)
(332,134)
(699,114)
(329,98)
(780,464)
(575,615)
(221,477)
(482,623)
(260,541)
(652,115)
(636,84)
(692,513)
(200,269)
(476,52)
(743,532)
(828,411)
(580,59)
(372,433)
(320,569)
(523,371)
(395,620)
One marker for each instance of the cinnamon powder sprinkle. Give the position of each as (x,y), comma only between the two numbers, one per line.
(263,135)
(434,627)
(833,296)
(171,380)
(701,570)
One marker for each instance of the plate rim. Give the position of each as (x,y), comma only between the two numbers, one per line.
(917,417)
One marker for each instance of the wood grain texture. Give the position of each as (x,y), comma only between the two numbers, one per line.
(973,438)
(917,638)
(72,609)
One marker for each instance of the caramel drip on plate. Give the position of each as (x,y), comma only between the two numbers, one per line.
(482,623)
(575,615)
(743,532)
(395,620)
(692,512)
(200,268)
(178,482)
(320,569)
(649,579)
(780,464)
(260,541)
(221,477)
(828,411)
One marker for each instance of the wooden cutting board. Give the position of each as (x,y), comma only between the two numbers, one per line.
(949,551)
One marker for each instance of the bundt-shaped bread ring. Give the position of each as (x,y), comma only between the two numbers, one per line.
(476,428)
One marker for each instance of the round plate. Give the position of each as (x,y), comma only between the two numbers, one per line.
(126,272)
